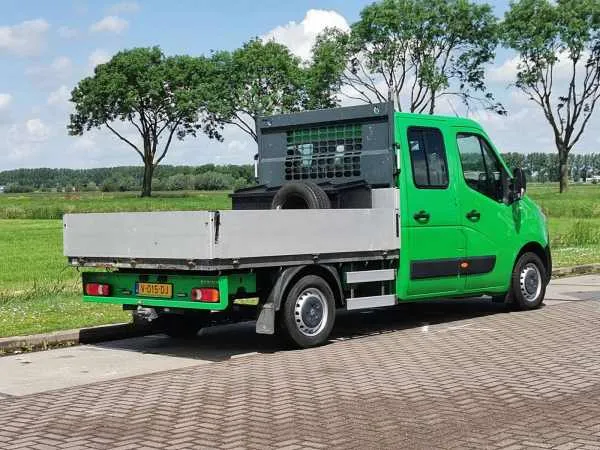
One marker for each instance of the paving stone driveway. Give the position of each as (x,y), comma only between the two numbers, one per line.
(490,379)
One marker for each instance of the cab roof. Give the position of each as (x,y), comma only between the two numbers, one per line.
(452,121)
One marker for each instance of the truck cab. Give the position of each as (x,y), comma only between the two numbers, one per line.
(355,208)
(464,222)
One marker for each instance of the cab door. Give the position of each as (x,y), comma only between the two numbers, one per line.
(432,240)
(489,222)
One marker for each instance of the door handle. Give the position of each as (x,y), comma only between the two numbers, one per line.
(421,216)
(473,215)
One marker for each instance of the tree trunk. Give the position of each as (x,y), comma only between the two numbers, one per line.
(432,103)
(563,170)
(147,183)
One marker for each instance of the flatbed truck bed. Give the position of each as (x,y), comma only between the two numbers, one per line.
(226,240)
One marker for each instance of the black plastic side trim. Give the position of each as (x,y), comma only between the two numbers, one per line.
(451,267)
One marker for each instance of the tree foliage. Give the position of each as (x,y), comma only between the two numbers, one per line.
(414,52)
(554,40)
(265,78)
(160,97)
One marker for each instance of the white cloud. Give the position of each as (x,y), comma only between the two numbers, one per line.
(98,56)
(60,97)
(66,32)
(506,72)
(5,101)
(124,8)
(24,39)
(84,144)
(37,131)
(518,97)
(110,24)
(60,69)
(24,141)
(300,37)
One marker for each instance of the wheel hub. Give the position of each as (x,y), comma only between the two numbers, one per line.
(530,281)
(310,312)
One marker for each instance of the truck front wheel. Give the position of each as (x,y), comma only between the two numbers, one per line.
(308,314)
(528,282)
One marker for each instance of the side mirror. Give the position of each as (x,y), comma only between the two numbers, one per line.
(519,183)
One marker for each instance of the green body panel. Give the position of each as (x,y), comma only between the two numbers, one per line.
(123,284)
(501,232)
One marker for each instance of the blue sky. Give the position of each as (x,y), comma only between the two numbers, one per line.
(46,47)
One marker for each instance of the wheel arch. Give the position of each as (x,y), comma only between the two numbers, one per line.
(542,252)
(291,275)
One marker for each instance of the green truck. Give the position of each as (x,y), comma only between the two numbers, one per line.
(355,208)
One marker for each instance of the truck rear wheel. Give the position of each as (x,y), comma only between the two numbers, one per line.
(528,282)
(308,314)
(300,195)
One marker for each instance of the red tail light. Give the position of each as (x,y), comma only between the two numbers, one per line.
(208,295)
(97,289)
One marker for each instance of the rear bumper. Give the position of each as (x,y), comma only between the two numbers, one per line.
(123,289)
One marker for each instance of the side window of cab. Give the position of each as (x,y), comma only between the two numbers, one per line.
(428,158)
(481,167)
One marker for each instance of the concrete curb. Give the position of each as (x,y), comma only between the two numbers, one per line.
(67,338)
(575,270)
(126,330)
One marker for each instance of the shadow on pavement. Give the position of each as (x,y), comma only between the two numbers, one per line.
(220,343)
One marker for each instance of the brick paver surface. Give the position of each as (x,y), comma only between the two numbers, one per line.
(501,381)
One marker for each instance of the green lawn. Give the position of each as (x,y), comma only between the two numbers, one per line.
(39,314)
(38,292)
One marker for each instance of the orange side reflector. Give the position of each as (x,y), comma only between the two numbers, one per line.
(464,265)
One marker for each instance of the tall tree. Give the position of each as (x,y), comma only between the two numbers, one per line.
(159,97)
(414,52)
(558,40)
(263,78)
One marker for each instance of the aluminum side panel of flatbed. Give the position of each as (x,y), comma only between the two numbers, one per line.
(203,240)
(152,235)
(252,234)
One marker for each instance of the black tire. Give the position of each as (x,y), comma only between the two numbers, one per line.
(309,299)
(528,283)
(300,195)
(181,327)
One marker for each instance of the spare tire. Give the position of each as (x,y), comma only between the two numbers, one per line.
(300,195)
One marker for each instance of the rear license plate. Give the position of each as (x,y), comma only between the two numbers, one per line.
(154,290)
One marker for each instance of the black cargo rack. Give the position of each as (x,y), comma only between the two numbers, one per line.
(346,151)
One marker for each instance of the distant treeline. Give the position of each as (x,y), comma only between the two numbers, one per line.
(544,167)
(129,178)
(540,167)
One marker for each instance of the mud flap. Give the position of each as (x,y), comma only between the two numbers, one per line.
(265,324)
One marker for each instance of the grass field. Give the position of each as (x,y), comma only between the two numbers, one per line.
(39,293)
(53,206)
(573,220)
